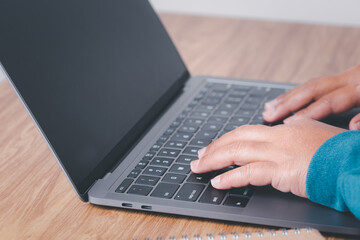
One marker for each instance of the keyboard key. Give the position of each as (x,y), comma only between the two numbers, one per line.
(220,91)
(210,101)
(224,170)
(199,178)
(155,171)
(139,190)
(160,161)
(274,93)
(186,159)
(192,150)
(243,191)
(181,117)
(216,94)
(188,109)
(239,120)
(163,139)
(254,100)
(205,108)
(141,165)
(217,120)
(245,113)
(173,178)
(228,106)
(212,127)
(190,192)
(188,129)
(169,131)
(166,152)
(165,190)
(182,136)
(200,142)
(235,201)
(231,126)
(147,180)
(175,144)
(199,114)
(134,173)
(193,103)
(149,155)
(212,196)
(258,119)
(180,168)
(223,113)
(193,122)
(260,91)
(233,100)
(205,135)
(155,147)
(241,88)
(124,185)
(238,93)
(175,124)
(249,106)
(221,86)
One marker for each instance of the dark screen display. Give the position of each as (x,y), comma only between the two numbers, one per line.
(92,72)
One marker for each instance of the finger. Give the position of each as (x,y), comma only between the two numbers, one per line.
(299,97)
(257,174)
(338,101)
(236,153)
(242,133)
(355,123)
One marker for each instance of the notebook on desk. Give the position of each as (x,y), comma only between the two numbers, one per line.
(283,234)
(123,117)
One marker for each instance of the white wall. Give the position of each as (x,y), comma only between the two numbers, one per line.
(338,12)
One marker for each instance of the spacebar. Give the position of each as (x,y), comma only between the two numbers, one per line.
(190,192)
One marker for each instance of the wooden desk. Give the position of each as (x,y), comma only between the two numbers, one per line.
(37,202)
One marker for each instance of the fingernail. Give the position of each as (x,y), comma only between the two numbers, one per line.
(215,181)
(269,111)
(194,163)
(358,125)
(201,152)
(271,104)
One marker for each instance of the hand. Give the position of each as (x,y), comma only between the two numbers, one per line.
(278,155)
(319,97)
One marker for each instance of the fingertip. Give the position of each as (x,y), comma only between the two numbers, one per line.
(355,123)
(194,166)
(201,152)
(355,126)
(215,182)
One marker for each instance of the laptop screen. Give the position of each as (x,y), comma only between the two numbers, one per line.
(93,74)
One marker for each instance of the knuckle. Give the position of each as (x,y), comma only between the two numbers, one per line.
(310,88)
(233,149)
(247,172)
(326,102)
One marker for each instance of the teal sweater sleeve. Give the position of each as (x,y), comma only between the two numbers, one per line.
(333,177)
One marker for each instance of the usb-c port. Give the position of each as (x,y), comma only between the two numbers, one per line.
(146,207)
(126,205)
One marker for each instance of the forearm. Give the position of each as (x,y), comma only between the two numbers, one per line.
(333,177)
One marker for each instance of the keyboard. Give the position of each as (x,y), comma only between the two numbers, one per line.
(164,171)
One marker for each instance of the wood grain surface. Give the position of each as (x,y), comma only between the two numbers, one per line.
(37,202)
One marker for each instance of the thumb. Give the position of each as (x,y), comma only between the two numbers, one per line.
(355,122)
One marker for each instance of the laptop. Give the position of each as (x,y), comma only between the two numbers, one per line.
(111,96)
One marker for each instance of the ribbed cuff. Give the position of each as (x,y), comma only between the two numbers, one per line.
(334,157)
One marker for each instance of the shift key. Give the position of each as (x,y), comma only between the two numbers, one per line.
(190,192)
